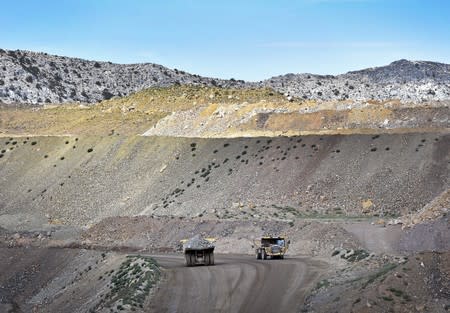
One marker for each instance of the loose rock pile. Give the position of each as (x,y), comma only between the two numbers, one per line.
(197,243)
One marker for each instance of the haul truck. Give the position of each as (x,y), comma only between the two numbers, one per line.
(271,246)
(198,250)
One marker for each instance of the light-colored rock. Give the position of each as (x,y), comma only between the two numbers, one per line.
(38,78)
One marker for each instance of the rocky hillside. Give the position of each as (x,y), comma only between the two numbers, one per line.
(91,178)
(36,78)
(408,81)
(30,77)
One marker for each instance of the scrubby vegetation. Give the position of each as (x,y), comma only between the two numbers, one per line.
(131,284)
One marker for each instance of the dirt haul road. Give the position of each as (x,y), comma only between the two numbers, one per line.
(237,283)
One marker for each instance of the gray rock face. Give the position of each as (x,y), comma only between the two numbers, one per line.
(37,78)
(408,81)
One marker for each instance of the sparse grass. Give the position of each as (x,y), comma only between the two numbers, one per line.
(131,284)
(396,292)
(335,252)
(73,119)
(324,283)
(356,256)
(337,214)
(288,209)
(174,98)
(382,272)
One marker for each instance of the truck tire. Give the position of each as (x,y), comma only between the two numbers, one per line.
(192,258)
(187,256)
(258,255)
(264,255)
(207,258)
(211,258)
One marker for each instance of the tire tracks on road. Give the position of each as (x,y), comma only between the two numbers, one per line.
(237,283)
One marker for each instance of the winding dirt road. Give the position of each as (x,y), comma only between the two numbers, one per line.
(237,283)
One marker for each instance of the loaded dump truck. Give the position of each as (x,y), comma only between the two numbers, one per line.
(272,246)
(198,250)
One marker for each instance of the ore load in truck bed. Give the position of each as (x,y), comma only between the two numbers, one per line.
(197,243)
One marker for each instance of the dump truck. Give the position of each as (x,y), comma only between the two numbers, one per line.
(274,247)
(198,250)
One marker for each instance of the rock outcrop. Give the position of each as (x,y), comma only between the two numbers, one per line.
(408,81)
(37,78)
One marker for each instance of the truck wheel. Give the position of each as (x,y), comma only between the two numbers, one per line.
(207,258)
(192,259)
(258,255)
(211,258)
(282,257)
(264,255)
(187,256)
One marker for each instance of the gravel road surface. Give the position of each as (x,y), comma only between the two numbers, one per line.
(237,283)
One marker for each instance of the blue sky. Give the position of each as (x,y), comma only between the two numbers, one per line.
(250,40)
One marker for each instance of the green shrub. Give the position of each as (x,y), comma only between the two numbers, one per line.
(396,292)
(323,283)
(383,271)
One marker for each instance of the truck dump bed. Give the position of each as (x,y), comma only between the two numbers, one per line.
(199,250)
